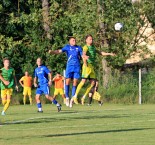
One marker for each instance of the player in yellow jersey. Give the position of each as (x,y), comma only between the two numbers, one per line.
(88,71)
(7,77)
(26,83)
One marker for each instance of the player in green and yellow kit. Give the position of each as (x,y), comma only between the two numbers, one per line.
(7,77)
(88,71)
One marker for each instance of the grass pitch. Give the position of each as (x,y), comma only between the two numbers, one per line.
(81,125)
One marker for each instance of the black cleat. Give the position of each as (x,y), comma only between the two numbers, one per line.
(40,111)
(59,108)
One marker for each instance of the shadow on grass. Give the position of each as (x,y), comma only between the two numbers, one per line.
(97,132)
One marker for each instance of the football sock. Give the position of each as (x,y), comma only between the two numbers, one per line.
(88,90)
(73,90)
(6,106)
(67,91)
(89,100)
(39,106)
(4,102)
(79,88)
(24,100)
(30,99)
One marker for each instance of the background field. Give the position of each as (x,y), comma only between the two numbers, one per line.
(81,125)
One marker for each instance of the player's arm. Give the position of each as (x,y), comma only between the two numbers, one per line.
(105,53)
(3,80)
(21,82)
(59,51)
(35,80)
(50,78)
(84,58)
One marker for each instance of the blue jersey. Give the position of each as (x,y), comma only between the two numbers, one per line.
(73,54)
(42,74)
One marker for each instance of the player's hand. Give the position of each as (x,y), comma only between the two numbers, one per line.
(6,83)
(35,85)
(50,83)
(113,54)
(16,88)
(50,52)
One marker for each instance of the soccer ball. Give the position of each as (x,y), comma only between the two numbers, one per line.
(118,26)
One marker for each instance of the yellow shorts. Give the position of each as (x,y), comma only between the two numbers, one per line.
(27,91)
(88,71)
(97,96)
(6,92)
(58,91)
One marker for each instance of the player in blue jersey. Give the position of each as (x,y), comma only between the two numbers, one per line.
(73,67)
(42,80)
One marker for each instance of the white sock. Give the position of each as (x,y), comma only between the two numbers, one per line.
(39,109)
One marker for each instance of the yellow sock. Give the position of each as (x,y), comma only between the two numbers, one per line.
(24,100)
(30,100)
(79,88)
(88,90)
(4,102)
(6,106)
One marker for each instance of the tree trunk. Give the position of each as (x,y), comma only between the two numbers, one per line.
(46,18)
(103,43)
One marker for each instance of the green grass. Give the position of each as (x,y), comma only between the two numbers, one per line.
(82,125)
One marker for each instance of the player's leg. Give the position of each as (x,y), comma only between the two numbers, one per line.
(4,99)
(30,95)
(25,92)
(67,90)
(61,92)
(7,97)
(90,98)
(92,83)
(37,98)
(46,91)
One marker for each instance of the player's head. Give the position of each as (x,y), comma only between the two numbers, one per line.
(89,39)
(6,62)
(72,41)
(39,61)
(58,74)
(26,73)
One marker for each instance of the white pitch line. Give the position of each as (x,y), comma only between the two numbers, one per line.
(79,126)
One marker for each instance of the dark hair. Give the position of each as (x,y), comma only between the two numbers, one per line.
(70,37)
(58,72)
(5,59)
(89,35)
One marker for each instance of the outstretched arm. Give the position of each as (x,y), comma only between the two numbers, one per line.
(104,53)
(59,51)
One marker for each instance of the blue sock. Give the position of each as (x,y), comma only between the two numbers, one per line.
(39,105)
(67,91)
(55,102)
(73,90)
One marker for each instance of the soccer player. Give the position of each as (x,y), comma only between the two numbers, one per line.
(7,77)
(44,78)
(58,81)
(26,83)
(73,67)
(94,95)
(88,71)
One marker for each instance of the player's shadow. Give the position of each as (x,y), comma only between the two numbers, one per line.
(97,132)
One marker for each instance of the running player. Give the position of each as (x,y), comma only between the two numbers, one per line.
(88,71)
(44,78)
(26,83)
(74,53)
(58,81)
(7,77)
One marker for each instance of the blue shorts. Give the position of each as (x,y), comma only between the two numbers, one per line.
(73,72)
(43,89)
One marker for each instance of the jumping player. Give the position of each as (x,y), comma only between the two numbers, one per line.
(44,78)
(26,83)
(58,81)
(88,71)
(74,53)
(7,77)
